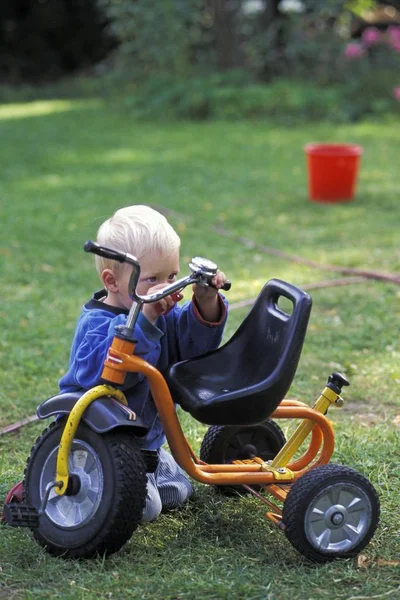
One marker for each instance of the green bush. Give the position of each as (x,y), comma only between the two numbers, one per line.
(294,65)
(235,96)
(154,37)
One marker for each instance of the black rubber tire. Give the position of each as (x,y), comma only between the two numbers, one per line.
(309,517)
(223,444)
(120,475)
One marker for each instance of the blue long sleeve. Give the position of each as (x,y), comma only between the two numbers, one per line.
(93,337)
(177,336)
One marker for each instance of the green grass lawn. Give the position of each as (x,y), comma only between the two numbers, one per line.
(68,165)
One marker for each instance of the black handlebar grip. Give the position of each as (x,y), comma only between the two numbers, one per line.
(226,287)
(95,248)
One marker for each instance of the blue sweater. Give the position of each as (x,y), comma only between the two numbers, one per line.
(179,335)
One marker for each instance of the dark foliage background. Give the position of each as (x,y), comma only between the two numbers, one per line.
(44,39)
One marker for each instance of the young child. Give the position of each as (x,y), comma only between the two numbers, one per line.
(165,333)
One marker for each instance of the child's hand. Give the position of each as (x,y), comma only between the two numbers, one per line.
(207,297)
(162,307)
(202,292)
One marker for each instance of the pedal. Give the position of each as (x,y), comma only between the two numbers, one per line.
(17,514)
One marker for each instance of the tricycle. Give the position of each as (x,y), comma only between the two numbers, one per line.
(85,480)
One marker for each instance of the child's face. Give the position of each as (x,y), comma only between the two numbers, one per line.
(156,269)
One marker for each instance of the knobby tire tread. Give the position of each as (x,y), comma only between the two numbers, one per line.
(295,506)
(210,452)
(127,506)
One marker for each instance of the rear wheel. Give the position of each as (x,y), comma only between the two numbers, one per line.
(226,443)
(107,493)
(331,512)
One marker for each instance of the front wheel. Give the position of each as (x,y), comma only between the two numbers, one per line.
(330,512)
(105,503)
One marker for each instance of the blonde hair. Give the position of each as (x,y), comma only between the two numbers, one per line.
(138,230)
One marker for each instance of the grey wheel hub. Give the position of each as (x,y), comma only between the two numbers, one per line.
(338,517)
(73,511)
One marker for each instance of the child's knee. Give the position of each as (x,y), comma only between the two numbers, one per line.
(176,493)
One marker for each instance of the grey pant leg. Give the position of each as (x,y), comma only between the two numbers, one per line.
(153,504)
(168,487)
(173,485)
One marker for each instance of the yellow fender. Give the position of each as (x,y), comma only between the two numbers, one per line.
(74,418)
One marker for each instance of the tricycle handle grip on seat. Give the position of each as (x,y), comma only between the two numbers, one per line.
(278,288)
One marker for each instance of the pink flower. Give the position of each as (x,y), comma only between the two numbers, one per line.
(393,31)
(394,37)
(371,36)
(354,50)
(396,92)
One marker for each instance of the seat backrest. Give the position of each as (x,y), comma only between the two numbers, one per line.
(261,357)
(244,381)
(270,340)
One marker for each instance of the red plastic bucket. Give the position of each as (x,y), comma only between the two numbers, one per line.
(332,171)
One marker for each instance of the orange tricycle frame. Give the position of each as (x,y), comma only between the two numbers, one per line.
(283,469)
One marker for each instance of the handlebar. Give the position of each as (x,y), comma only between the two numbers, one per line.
(121,257)
(203,270)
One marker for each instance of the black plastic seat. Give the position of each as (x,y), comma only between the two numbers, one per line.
(244,381)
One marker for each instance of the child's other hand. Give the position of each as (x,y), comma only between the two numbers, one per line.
(207,298)
(203,293)
(162,307)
